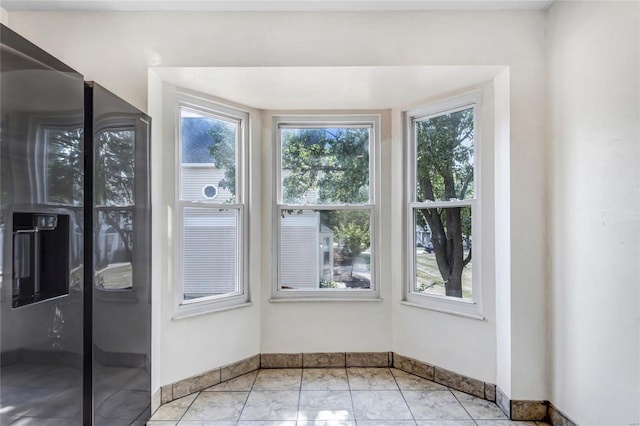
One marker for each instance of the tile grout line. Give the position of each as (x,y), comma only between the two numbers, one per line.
(353,405)
(403,397)
(462,405)
(248,394)
(185,411)
(299,395)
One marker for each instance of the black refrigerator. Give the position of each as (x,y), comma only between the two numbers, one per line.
(75,287)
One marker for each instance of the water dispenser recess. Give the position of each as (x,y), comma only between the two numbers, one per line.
(40,257)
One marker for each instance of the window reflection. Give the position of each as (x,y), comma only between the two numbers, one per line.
(114,167)
(63,155)
(114,210)
(114,249)
(64,161)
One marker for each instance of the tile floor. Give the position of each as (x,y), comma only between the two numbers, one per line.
(330,396)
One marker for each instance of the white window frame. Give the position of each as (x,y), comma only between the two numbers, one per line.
(336,121)
(202,305)
(468,308)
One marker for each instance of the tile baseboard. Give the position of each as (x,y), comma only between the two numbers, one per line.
(529,410)
(422,369)
(207,379)
(519,410)
(279,360)
(413,366)
(324,360)
(557,418)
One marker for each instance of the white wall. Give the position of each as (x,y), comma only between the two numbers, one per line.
(117,48)
(4,16)
(502,218)
(594,155)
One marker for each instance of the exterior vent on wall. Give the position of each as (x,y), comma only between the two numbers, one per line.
(209,192)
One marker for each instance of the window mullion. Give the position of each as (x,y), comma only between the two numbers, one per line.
(325,206)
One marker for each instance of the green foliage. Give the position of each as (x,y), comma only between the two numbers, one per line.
(353,236)
(334,162)
(223,151)
(334,218)
(328,284)
(445,156)
(445,172)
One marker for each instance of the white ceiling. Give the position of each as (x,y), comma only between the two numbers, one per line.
(328,88)
(274,5)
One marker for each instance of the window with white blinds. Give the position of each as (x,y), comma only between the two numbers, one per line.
(210,196)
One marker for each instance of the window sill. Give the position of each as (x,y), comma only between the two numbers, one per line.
(315,299)
(208,310)
(445,310)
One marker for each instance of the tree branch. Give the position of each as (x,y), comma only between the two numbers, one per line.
(467,259)
(465,186)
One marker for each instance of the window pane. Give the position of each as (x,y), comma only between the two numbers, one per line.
(325,166)
(444,156)
(114,249)
(208,164)
(443,251)
(210,252)
(325,249)
(114,167)
(64,165)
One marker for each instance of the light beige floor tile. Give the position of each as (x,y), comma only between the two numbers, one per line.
(207,423)
(174,410)
(371,379)
(380,405)
(324,379)
(239,384)
(480,409)
(328,423)
(325,405)
(386,423)
(408,381)
(271,405)
(161,423)
(278,379)
(503,423)
(267,423)
(446,423)
(216,406)
(435,405)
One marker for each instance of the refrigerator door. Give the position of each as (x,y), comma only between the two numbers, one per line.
(41,235)
(122,258)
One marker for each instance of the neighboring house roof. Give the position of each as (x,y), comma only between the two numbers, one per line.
(196,140)
(325,229)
